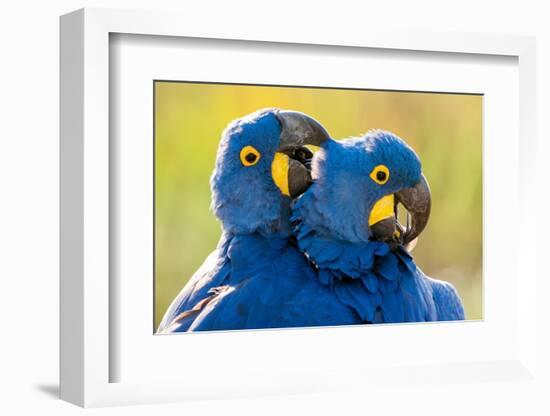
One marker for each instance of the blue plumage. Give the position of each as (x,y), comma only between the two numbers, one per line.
(257,277)
(281,290)
(331,224)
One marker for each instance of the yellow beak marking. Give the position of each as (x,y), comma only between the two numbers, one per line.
(382,209)
(279,172)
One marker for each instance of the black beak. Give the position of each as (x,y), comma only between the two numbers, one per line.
(417,201)
(299,130)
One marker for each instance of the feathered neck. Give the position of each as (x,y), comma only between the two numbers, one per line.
(247,253)
(231,241)
(367,276)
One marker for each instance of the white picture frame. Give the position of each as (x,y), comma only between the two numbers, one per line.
(87,302)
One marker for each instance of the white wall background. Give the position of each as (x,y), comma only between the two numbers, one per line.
(29,84)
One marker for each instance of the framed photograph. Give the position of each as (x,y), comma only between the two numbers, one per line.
(289,212)
(445,129)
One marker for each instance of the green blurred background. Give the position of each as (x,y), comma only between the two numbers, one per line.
(444,129)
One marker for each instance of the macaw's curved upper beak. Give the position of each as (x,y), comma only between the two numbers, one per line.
(291,167)
(299,129)
(417,201)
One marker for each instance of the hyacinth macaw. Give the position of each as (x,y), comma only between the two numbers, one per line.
(257,277)
(346,223)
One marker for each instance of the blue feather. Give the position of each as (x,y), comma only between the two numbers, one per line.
(296,298)
(448,303)
(371,282)
(387,267)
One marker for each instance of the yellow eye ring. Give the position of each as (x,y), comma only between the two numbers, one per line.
(249,156)
(380,174)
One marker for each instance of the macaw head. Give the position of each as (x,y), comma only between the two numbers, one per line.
(358,184)
(262,163)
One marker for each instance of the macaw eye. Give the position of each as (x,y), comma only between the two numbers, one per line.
(380,174)
(249,156)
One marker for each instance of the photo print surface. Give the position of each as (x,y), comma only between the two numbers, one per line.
(281,206)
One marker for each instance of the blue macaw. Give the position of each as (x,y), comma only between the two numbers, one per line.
(257,277)
(346,223)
